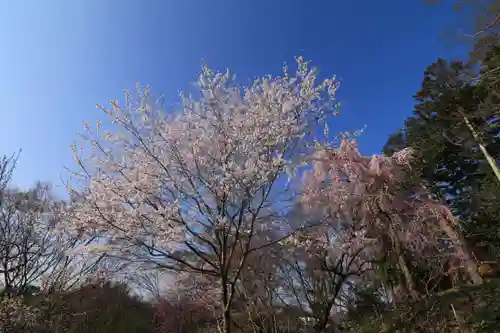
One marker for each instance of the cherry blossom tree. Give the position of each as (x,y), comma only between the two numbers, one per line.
(321,278)
(192,190)
(393,215)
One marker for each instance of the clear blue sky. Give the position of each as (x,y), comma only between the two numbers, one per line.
(59,58)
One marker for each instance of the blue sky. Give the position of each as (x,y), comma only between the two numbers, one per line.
(59,58)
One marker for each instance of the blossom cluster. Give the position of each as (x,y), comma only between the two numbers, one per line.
(14,314)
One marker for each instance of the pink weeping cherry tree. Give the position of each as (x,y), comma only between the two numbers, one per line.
(193,190)
(375,199)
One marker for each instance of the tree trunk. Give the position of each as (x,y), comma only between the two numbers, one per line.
(491,161)
(226,306)
(469,263)
(410,284)
(227,321)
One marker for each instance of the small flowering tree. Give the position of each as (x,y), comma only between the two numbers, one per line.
(393,215)
(30,251)
(322,271)
(193,190)
(16,316)
(191,304)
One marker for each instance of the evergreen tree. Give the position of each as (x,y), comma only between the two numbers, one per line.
(449,158)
